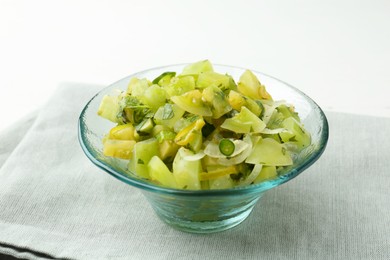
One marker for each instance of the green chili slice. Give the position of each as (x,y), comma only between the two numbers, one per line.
(226,147)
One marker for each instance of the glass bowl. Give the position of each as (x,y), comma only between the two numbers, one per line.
(203,211)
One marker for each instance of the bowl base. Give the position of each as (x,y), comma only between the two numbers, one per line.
(205,227)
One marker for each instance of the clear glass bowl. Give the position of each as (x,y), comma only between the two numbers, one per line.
(209,210)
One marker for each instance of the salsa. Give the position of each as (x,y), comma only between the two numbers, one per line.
(201,130)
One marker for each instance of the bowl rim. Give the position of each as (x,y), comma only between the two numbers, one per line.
(253,188)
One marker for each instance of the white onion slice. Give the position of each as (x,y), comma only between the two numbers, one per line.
(269,108)
(252,176)
(188,155)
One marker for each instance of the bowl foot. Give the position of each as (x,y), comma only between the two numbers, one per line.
(204,227)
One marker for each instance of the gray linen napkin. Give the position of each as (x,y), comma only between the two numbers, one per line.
(54,203)
(10,137)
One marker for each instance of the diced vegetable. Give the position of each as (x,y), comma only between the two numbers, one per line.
(267,172)
(124,132)
(159,172)
(237,100)
(211,78)
(188,133)
(223,182)
(154,97)
(142,153)
(244,122)
(109,108)
(218,102)
(218,171)
(269,152)
(288,112)
(192,102)
(180,85)
(145,127)
(296,134)
(168,115)
(197,67)
(137,87)
(250,86)
(186,172)
(118,148)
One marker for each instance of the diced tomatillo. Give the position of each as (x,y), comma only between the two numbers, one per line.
(269,152)
(124,132)
(188,133)
(244,122)
(197,67)
(158,171)
(250,86)
(192,102)
(118,148)
(180,85)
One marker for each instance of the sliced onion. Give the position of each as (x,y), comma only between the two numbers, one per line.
(269,108)
(227,161)
(252,176)
(188,155)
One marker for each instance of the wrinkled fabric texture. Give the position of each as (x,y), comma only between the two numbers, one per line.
(54,203)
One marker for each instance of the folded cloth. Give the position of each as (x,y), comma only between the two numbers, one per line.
(54,203)
(11,136)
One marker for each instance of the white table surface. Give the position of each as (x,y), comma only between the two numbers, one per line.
(338,52)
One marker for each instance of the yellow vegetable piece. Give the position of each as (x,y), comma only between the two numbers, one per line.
(118,148)
(123,132)
(168,149)
(267,172)
(188,133)
(218,172)
(250,86)
(236,100)
(217,100)
(192,102)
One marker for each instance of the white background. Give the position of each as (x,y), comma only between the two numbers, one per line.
(338,52)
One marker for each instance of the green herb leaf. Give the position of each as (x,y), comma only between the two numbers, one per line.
(168,112)
(133,110)
(140,161)
(165,135)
